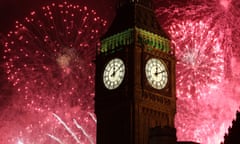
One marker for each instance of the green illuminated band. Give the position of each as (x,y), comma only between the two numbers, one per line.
(151,40)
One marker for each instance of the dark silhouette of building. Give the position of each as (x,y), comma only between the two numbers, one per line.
(233,136)
(166,135)
(135,79)
(135,101)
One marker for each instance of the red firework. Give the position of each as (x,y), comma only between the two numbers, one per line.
(205,35)
(48,58)
(200,59)
(51,52)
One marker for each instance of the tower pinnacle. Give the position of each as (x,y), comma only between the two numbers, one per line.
(146,3)
(135,13)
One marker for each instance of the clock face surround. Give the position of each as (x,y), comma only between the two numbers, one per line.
(156,73)
(113,74)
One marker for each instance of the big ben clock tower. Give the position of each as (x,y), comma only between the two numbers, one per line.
(135,100)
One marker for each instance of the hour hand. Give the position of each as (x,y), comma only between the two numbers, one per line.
(114,72)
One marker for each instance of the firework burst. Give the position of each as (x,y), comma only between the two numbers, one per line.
(51,52)
(200,59)
(205,35)
(48,59)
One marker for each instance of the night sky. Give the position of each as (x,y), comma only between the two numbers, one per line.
(12,10)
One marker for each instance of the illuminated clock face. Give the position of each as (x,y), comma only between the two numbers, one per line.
(113,74)
(156,73)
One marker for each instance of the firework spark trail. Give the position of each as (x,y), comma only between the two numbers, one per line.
(205,35)
(93,117)
(67,128)
(55,138)
(83,131)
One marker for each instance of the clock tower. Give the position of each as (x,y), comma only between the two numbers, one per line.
(135,100)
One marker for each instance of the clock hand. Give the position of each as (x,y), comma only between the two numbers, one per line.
(116,70)
(119,67)
(162,71)
(156,73)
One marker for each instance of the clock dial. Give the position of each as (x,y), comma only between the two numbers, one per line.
(113,73)
(156,73)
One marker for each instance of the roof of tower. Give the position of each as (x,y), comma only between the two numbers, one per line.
(135,13)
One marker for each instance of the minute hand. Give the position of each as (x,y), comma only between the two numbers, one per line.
(160,72)
(116,70)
